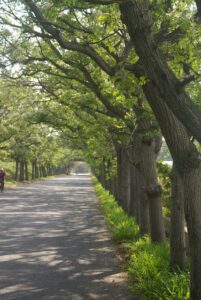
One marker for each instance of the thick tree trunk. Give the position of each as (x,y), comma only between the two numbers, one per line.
(33,170)
(21,176)
(114,187)
(16,169)
(177,233)
(102,174)
(163,87)
(138,197)
(188,164)
(123,176)
(40,171)
(26,171)
(145,227)
(192,205)
(45,171)
(119,157)
(125,181)
(139,204)
(150,150)
(135,193)
(137,16)
(36,170)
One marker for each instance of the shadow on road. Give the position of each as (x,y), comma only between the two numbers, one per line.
(54,244)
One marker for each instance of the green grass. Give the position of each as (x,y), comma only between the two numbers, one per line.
(148,263)
(122,226)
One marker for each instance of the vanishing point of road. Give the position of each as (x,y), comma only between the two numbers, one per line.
(54,244)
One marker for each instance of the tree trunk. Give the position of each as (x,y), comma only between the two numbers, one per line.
(36,170)
(177,233)
(139,204)
(163,87)
(150,150)
(135,193)
(44,171)
(119,175)
(125,181)
(123,178)
(138,19)
(102,175)
(33,170)
(188,164)
(114,187)
(21,177)
(192,205)
(26,171)
(16,169)
(145,227)
(40,171)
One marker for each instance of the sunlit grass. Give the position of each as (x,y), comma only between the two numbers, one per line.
(123,227)
(148,263)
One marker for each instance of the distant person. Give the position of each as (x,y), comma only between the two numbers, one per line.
(2,176)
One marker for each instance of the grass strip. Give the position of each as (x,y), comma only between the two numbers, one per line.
(147,263)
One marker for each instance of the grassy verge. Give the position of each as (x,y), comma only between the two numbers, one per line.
(147,263)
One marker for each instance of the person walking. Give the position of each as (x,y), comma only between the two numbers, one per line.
(2,176)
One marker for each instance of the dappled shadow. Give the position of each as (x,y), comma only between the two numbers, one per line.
(54,244)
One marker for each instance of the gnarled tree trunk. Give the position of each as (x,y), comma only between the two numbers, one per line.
(177,234)
(150,150)
(162,88)
(123,171)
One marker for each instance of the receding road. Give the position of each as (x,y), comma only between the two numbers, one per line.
(54,244)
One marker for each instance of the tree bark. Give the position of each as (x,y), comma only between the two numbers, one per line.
(123,167)
(33,170)
(21,176)
(150,150)
(162,88)
(188,164)
(139,199)
(26,171)
(177,233)
(135,193)
(125,187)
(138,19)
(145,227)
(36,170)
(102,175)
(16,169)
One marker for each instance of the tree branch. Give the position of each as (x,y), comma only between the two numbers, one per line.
(74,46)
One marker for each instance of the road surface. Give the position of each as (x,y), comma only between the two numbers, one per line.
(54,244)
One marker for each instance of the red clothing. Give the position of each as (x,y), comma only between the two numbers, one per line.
(2,174)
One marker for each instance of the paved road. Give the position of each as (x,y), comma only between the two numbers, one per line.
(54,244)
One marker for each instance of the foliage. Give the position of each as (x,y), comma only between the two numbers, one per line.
(148,263)
(164,172)
(122,226)
(9,167)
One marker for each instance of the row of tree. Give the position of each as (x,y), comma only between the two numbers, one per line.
(36,149)
(114,77)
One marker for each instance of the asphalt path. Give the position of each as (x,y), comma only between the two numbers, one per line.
(54,244)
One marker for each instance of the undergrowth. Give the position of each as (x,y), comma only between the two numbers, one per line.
(148,263)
